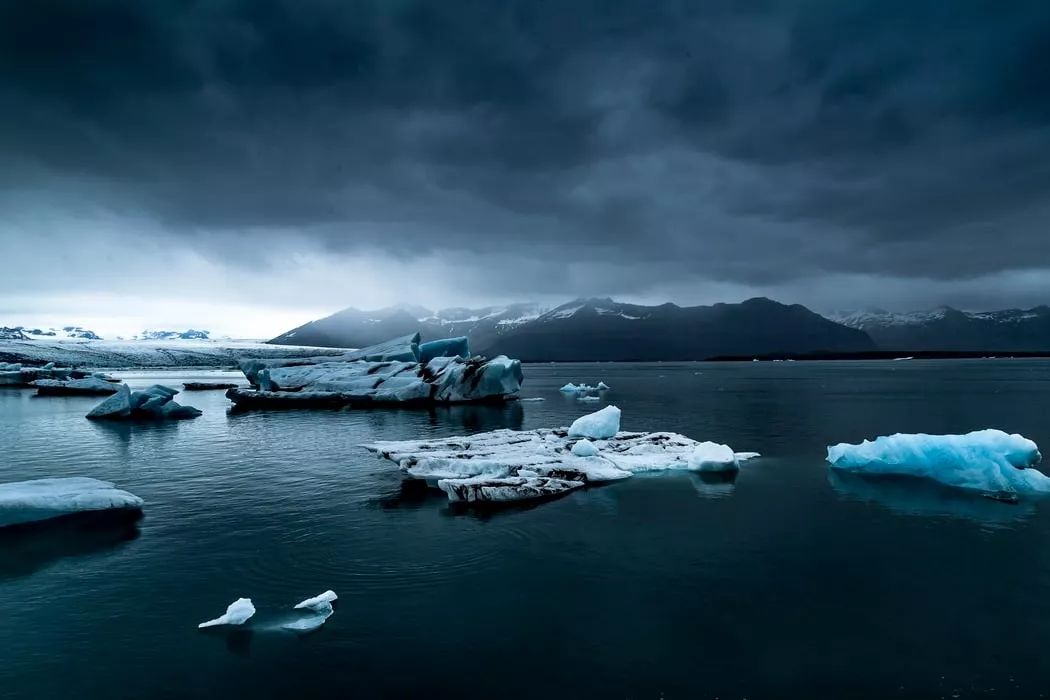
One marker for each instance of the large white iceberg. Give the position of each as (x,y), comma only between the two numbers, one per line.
(599,425)
(237,613)
(511,465)
(42,499)
(152,403)
(990,461)
(442,374)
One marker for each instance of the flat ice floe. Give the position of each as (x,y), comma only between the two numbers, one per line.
(990,461)
(88,386)
(43,499)
(510,465)
(237,613)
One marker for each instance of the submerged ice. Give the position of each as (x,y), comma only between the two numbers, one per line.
(511,465)
(985,460)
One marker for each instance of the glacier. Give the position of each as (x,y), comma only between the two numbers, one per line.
(24,502)
(156,402)
(237,613)
(400,371)
(990,461)
(511,465)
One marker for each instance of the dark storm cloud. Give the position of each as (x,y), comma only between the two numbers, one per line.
(751,142)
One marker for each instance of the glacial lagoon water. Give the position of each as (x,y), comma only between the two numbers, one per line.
(785,583)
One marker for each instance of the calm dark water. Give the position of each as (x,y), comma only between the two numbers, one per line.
(784,584)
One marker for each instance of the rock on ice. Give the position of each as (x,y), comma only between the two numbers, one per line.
(984,460)
(238,612)
(42,499)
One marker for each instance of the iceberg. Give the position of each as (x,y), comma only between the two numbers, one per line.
(602,386)
(17,374)
(989,461)
(599,425)
(402,349)
(152,403)
(511,465)
(328,597)
(448,377)
(238,612)
(581,388)
(584,448)
(42,499)
(319,609)
(712,457)
(89,386)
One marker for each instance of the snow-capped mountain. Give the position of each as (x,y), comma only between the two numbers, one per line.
(172,335)
(64,333)
(597,329)
(355,328)
(945,328)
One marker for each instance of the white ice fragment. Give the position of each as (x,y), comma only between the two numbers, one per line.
(744,456)
(238,612)
(588,399)
(584,448)
(317,616)
(984,460)
(603,386)
(712,457)
(599,425)
(569,388)
(327,597)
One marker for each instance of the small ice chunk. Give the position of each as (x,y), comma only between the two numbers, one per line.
(238,612)
(317,616)
(712,457)
(531,399)
(600,425)
(744,456)
(584,448)
(327,597)
(602,386)
(588,399)
(569,388)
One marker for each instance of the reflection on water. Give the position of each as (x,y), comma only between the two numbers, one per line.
(923,497)
(28,548)
(714,484)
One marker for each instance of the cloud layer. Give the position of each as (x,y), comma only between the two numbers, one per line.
(526,148)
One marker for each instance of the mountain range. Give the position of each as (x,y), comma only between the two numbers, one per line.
(948,329)
(598,330)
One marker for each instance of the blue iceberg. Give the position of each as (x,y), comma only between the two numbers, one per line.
(446,347)
(990,461)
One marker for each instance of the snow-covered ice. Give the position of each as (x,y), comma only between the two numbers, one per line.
(599,425)
(712,457)
(584,448)
(42,499)
(519,465)
(238,612)
(985,460)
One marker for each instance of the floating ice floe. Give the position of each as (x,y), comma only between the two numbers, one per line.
(88,386)
(238,612)
(20,375)
(207,386)
(712,457)
(399,372)
(318,610)
(510,465)
(152,403)
(582,388)
(43,499)
(989,461)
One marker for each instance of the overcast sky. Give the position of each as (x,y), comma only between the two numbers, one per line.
(247,166)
